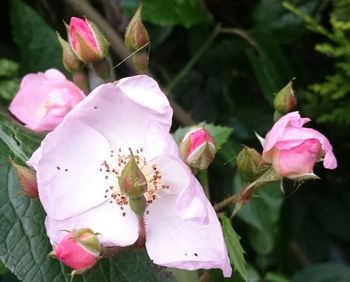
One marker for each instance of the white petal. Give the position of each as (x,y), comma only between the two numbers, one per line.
(107,220)
(173,242)
(69,179)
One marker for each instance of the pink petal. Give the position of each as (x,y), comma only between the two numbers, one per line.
(79,26)
(277,131)
(296,135)
(54,74)
(298,160)
(40,92)
(71,253)
(173,242)
(106,219)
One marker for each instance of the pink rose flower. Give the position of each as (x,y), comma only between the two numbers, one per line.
(79,249)
(44,99)
(78,165)
(86,40)
(293,149)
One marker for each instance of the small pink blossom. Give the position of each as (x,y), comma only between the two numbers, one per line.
(293,149)
(79,163)
(74,251)
(198,148)
(44,99)
(86,40)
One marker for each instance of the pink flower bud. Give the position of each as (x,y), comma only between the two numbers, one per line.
(293,149)
(197,148)
(27,179)
(70,61)
(79,249)
(86,40)
(44,99)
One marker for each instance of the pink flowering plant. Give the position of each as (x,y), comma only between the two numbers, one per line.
(107,176)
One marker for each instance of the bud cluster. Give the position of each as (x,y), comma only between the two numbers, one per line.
(86,44)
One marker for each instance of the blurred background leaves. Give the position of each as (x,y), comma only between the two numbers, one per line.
(302,235)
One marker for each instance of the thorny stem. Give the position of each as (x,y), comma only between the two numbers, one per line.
(142,233)
(243,196)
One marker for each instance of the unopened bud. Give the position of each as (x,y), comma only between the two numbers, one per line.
(27,179)
(197,148)
(285,100)
(132,182)
(70,61)
(79,249)
(136,35)
(250,163)
(86,40)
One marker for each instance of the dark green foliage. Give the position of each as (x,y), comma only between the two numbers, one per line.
(260,46)
(170,12)
(334,92)
(39,47)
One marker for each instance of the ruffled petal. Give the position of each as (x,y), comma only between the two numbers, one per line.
(297,160)
(116,227)
(54,74)
(192,203)
(173,242)
(128,126)
(295,136)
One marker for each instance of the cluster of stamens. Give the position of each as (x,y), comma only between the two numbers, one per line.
(113,167)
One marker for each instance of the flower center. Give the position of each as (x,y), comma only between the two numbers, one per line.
(113,167)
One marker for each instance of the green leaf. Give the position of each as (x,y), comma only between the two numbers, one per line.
(234,247)
(38,44)
(323,272)
(272,18)
(23,242)
(218,132)
(170,12)
(261,214)
(8,68)
(8,88)
(270,65)
(3,269)
(185,275)
(275,277)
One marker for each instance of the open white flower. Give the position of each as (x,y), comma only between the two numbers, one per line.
(78,165)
